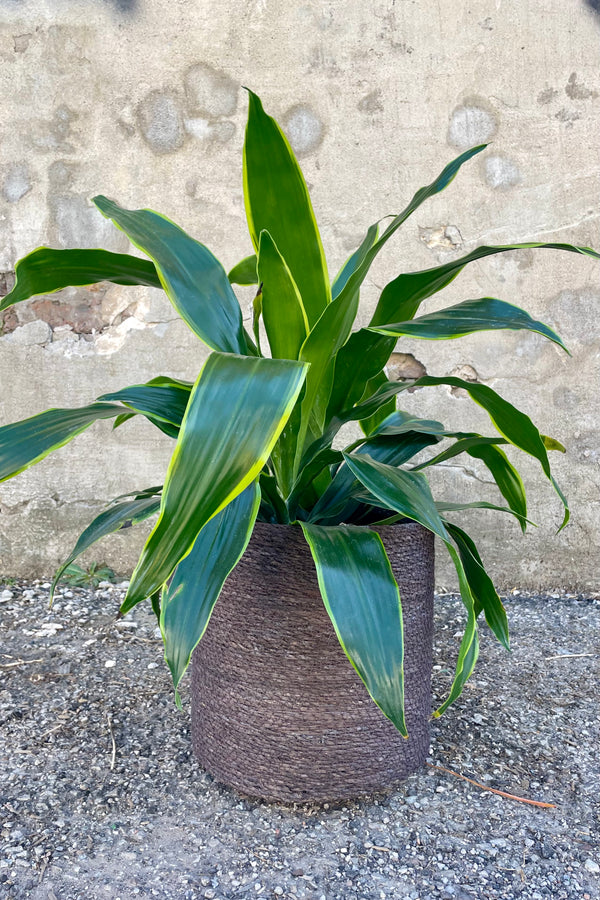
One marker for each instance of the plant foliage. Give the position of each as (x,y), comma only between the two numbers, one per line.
(254,435)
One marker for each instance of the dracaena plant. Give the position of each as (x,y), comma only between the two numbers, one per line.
(254,434)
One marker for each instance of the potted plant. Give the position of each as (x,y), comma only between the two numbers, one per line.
(255,477)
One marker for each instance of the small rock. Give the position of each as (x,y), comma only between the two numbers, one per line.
(592,866)
(36,332)
(6,595)
(110,663)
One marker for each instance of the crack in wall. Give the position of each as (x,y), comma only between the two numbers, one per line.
(541,230)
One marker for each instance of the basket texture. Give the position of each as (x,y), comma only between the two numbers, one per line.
(278,712)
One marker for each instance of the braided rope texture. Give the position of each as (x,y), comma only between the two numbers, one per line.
(278,712)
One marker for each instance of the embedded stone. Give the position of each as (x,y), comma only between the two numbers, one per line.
(470,125)
(16,182)
(161,122)
(501,173)
(304,129)
(209,92)
(32,333)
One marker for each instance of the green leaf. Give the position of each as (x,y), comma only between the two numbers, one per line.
(354,261)
(371,424)
(505,475)
(283,456)
(116,517)
(272,506)
(193,279)
(347,305)
(366,408)
(486,314)
(307,475)
(352,569)
(404,492)
(510,422)
(244,272)
(376,402)
(319,350)
(408,494)
(564,501)
(337,500)
(256,314)
(162,399)
(277,201)
(465,441)
(482,588)
(360,359)
(125,417)
(45,271)
(482,504)
(469,645)
(147,492)
(551,443)
(363,410)
(442,181)
(513,424)
(27,442)
(282,310)
(333,328)
(235,414)
(401,298)
(413,499)
(188,601)
(400,422)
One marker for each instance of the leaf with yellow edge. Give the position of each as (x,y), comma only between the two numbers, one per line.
(236,411)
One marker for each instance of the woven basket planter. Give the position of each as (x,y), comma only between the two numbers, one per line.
(278,712)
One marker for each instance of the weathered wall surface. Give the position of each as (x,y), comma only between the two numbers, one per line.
(142,100)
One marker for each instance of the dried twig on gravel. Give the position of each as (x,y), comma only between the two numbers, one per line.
(114,745)
(569,656)
(484,787)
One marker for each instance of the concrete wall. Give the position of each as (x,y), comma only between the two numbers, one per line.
(141,100)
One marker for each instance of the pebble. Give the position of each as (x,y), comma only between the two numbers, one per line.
(117,829)
(7,595)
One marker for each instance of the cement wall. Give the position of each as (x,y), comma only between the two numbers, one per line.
(141,100)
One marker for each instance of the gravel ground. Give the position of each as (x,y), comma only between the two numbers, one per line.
(100,796)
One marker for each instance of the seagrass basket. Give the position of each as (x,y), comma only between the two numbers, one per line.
(278,712)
